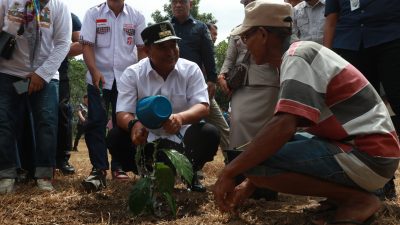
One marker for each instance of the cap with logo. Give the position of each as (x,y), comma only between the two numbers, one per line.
(274,13)
(158,33)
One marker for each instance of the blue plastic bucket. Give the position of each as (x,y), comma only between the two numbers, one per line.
(153,111)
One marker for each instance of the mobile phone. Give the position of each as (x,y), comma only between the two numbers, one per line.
(21,86)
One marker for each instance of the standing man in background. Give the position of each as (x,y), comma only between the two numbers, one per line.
(213,31)
(309,20)
(31,77)
(64,144)
(196,45)
(110,35)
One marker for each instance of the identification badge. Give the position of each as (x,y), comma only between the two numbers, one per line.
(354,4)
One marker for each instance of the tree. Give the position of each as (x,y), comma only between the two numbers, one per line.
(157,16)
(77,82)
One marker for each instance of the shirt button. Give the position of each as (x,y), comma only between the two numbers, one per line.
(362,11)
(362,25)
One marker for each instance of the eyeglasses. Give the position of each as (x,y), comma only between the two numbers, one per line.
(247,34)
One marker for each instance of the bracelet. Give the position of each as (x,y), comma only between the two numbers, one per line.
(131,124)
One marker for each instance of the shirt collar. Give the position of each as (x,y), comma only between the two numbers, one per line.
(149,69)
(190,19)
(107,9)
(305,4)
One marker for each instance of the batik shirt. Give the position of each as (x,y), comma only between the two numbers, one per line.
(342,107)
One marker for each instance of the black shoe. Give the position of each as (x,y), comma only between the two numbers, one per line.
(95,181)
(23,176)
(196,184)
(66,168)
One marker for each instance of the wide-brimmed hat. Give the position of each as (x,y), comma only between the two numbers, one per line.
(273,13)
(158,33)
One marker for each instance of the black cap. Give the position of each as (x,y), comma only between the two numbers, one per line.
(158,33)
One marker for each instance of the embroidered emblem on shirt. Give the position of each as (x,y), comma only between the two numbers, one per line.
(45,17)
(102,26)
(129,29)
(102,30)
(16,13)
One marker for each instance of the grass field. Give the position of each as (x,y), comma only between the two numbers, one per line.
(70,204)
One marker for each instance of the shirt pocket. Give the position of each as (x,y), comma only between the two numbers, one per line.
(179,102)
(103,36)
(302,22)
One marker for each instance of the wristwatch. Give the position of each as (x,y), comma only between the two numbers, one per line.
(131,124)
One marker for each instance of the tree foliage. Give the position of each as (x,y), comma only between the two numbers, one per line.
(77,82)
(158,16)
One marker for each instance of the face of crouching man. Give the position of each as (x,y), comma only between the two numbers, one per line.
(161,47)
(163,56)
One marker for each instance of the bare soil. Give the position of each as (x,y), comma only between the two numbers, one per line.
(70,204)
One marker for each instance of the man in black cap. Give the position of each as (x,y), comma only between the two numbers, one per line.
(179,80)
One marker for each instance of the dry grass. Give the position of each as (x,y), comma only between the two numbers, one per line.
(71,205)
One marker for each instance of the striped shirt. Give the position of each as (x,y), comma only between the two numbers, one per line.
(340,104)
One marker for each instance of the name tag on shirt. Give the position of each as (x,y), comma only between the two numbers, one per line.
(101,26)
(354,4)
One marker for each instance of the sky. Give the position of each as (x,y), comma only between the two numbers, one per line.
(229,13)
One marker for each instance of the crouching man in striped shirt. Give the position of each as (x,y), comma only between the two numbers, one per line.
(350,148)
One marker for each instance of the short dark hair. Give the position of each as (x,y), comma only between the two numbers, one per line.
(85,96)
(209,25)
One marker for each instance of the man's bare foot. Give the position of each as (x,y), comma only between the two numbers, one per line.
(359,208)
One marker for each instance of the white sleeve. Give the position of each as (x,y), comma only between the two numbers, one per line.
(88,29)
(197,89)
(127,91)
(62,32)
(141,24)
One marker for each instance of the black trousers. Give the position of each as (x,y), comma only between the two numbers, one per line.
(201,144)
(64,139)
(380,64)
(80,130)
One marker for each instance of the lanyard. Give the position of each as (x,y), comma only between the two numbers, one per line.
(36,5)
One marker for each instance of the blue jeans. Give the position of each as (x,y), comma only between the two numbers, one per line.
(44,107)
(305,155)
(95,135)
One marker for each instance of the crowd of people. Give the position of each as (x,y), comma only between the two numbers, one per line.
(308,117)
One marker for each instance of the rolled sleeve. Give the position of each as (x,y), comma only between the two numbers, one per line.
(88,30)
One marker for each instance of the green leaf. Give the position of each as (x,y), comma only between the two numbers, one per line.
(165,179)
(181,164)
(140,196)
(171,202)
